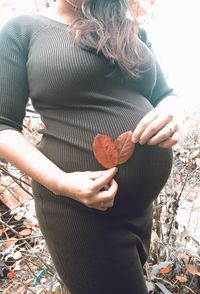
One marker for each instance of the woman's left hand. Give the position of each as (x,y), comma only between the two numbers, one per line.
(161,126)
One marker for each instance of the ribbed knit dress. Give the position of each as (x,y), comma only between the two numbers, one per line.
(78,97)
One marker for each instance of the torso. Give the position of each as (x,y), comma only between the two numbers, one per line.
(72,90)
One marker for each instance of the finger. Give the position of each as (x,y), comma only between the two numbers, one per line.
(153,128)
(164,134)
(109,194)
(101,206)
(106,195)
(97,174)
(105,199)
(142,125)
(100,182)
(171,141)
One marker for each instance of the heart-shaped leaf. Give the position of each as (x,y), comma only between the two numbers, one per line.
(125,146)
(105,151)
(110,153)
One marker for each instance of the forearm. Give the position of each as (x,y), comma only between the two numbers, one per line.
(17,150)
(85,187)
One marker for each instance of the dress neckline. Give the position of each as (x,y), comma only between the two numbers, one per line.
(52,20)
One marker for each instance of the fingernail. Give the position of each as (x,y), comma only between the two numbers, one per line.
(141,142)
(134,140)
(113,168)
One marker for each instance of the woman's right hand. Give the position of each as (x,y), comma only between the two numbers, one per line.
(95,189)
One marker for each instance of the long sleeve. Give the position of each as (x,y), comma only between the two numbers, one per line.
(161,87)
(14,92)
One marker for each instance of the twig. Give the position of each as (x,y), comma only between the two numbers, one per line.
(24,284)
(10,228)
(191,210)
(3,169)
(165,281)
(190,289)
(21,204)
(21,239)
(33,274)
(178,199)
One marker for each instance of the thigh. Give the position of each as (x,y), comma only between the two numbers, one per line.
(93,253)
(103,274)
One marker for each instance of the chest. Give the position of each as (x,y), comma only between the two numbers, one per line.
(59,70)
(57,64)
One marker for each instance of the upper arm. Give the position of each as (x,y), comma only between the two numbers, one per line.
(14,92)
(161,88)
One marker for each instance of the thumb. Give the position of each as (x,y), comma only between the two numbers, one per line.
(105,178)
(97,174)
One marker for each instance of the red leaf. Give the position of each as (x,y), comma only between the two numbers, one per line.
(125,146)
(165,270)
(25,232)
(2,231)
(182,279)
(105,151)
(9,242)
(192,269)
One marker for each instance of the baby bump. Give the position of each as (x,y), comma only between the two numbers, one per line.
(67,141)
(142,178)
(69,133)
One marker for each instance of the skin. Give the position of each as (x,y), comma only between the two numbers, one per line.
(86,187)
(160,126)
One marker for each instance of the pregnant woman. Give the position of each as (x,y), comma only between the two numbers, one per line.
(88,70)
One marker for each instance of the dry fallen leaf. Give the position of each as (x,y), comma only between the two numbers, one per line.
(165,270)
(25,232)
(9,242)
(182,279)
(110,153)
(194,154)
(11,194)
(183,256)
(192,269)
(30,225)
(2,231)
(105,151)
(125,146)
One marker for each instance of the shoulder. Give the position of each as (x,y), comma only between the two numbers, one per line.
(21,29)
(18,21)
(24,24)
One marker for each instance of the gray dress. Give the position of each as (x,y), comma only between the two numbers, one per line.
(77,97)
